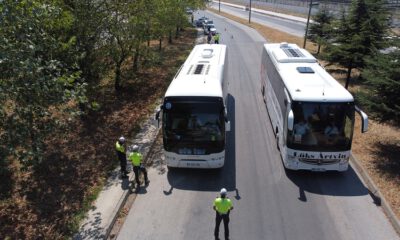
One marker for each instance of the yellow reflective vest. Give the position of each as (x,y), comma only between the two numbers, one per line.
(223,205)
(119,147)
(136,158)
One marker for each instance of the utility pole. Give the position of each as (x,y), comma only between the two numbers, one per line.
(308,21)
(219,6)
(250,13)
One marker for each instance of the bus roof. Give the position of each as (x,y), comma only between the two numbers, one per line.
(302,75)
(201,74)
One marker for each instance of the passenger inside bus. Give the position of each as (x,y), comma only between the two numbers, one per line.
(331,130)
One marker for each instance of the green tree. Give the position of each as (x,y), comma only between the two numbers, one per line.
(382,75)
(321,29)
(35,84)
(360,34)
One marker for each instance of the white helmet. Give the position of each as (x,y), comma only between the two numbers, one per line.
(135,148)
(223,192)
(121,139)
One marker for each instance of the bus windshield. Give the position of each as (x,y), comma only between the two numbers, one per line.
(322,127)
(194,126)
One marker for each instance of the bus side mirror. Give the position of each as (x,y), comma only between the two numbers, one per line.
(290,121)
(364,119)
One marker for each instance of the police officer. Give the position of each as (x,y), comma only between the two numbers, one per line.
(216,38)
(120,148)
(222,206)
(136,159)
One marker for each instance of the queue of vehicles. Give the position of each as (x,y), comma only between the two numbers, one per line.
(207,25)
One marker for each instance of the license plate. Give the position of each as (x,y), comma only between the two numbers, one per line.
(318,169)
(193,164)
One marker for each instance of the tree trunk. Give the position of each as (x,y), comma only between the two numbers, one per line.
(319,48)
(136,59)
(349,68)
(170,37)
(160,44)
(117,85)
(177,32)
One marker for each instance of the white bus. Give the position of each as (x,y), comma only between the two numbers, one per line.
(312,115)
(193,111)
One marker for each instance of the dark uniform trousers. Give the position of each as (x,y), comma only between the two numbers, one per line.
(122,162)
(136,170)
(218,219)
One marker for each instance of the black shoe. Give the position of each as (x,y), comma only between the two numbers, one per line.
(147,182)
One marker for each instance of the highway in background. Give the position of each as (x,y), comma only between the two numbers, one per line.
(292,27)
(270,202)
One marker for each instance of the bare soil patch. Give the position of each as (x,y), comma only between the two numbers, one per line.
(378,150)
(49,201)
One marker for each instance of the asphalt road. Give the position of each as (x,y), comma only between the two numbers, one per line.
(291,27)
(270,203)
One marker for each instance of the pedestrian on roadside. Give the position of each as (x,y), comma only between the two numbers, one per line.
(222,206)
(136,158)
(120,148)
(209,37)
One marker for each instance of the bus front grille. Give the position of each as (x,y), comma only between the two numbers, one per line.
(319,161)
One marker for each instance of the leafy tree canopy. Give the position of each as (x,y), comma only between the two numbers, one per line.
(35,84)
(382,75)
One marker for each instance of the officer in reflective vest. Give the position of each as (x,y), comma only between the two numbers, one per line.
(216,38)
(222,206)
(120,148)
(136,158)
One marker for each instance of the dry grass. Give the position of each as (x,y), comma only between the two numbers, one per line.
(378,150)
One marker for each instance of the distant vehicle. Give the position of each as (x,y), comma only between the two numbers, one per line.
(213,31)
(194,116)
(201,21)
(189,11)
(207,28)
(209,21)
(312,115)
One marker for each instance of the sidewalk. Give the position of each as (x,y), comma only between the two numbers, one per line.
(100,220)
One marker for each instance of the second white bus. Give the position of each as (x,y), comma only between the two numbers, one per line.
(312,115)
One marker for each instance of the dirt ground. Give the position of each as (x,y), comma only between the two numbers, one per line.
(378,150)
(48,202)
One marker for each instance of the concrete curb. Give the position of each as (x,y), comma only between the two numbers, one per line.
(376,195)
